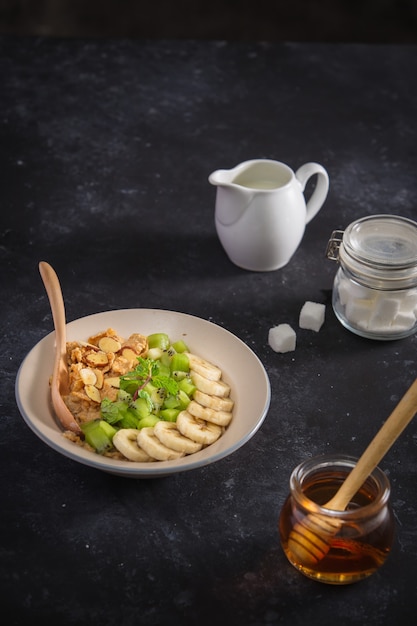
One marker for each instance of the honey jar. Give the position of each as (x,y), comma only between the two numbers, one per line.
(375,288)
(361,536)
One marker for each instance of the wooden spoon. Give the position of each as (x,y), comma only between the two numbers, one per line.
(60,378)
(310,539)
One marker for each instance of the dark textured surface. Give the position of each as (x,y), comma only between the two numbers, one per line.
(376,21)
(105,150)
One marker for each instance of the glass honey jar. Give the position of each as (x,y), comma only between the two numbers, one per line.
(375,288)
(357,540)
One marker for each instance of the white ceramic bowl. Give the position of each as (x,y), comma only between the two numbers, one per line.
(250,388)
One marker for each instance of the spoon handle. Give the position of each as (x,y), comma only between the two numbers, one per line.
(60,378)
(53,289)
(379,446)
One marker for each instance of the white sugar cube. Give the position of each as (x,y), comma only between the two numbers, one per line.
(409,303)
(282,338)
(349,290)
(312,316)
(359,311)
(384,313)
(403,321)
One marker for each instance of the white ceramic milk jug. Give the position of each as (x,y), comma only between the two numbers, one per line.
(261,211)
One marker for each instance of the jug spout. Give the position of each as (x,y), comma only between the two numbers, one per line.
(232,199)
(220,177)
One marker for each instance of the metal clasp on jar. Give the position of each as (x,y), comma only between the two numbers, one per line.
(333,245)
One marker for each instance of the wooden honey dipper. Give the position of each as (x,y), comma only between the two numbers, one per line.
(310,539)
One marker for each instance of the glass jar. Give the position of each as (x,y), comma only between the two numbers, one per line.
(356,541)
(375,287)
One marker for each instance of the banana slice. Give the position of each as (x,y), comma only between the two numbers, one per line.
(203,367)
(197,429)
(148,441)
(170,436)
(211,387)
(125,441)
(213,402)
(221,418)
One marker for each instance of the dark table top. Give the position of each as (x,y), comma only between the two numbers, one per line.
(105,150)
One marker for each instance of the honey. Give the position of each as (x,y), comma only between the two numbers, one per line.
(364,530)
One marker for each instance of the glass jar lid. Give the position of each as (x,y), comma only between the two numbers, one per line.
(384,240)
(381,250)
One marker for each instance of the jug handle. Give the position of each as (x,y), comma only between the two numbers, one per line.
(319,194)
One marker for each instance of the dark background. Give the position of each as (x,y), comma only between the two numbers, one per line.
(373,21)
(100,139)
